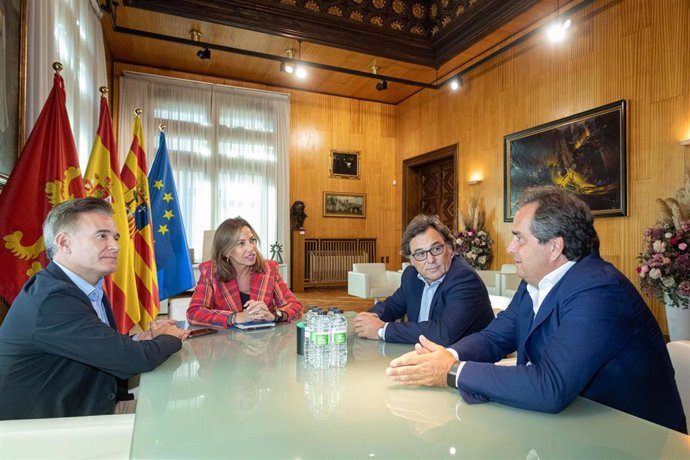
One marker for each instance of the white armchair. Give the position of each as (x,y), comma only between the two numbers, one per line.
(509,280)
(679,350)
(492,281)
(372,281)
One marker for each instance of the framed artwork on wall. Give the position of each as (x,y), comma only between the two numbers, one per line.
(337,204)
(344,164)
(584,153)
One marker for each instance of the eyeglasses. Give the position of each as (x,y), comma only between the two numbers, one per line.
(434,251)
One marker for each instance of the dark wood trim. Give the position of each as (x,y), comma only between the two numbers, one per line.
(324,29)
(410,185)
(474,25)
(299,24)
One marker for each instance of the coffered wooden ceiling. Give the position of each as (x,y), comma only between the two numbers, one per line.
(411,40)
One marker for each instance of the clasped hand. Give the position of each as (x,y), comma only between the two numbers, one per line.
(254,310)
(163,326)
(367,325)
(427,365)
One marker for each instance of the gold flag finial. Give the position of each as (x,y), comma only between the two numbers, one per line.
(57,67)
(162,127)
(103,90)
(137,112)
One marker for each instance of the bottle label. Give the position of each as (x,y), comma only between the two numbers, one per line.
(321,338)
(340,338)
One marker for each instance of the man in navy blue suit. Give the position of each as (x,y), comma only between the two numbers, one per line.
(443,297)
(60,352)
(580,328)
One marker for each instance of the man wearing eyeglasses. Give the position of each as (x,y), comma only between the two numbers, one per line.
(442,296)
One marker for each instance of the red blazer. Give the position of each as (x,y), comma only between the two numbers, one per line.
(213,300)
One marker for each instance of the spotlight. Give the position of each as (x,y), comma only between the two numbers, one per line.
(382,85)
(556,32)
(204,54)
(300,72)
(456,84)
(287,67)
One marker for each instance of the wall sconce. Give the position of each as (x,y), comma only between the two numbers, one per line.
(456,84)
(685,141)
(475,179)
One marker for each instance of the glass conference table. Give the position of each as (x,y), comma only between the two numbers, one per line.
(239,394)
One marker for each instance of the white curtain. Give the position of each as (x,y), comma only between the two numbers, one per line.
(68,31)
(228,148)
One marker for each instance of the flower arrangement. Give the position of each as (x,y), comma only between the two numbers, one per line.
(664,263)
(473,242)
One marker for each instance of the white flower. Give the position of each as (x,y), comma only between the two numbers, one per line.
(655,273)
(659,246)
(668,281)
(482,260)
(668,235)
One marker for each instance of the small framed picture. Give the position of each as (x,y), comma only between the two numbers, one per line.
(344,164)
(344,204)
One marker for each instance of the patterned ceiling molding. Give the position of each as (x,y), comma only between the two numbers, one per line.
(421,32)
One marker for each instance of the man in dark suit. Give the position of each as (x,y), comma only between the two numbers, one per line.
(60,353)
(443,297)
(579,327)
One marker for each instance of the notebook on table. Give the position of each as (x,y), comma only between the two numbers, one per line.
(255,325)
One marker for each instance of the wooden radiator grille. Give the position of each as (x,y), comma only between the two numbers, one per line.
(327,261)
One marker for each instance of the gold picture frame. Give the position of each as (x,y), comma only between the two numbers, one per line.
(336,204)
(344,164)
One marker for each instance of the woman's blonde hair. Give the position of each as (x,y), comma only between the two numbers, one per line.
(225,240)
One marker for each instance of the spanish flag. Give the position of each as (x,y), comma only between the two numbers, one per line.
(46,174)
(102,180)
(138,202)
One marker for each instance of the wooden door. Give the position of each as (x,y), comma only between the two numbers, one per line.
(430,186)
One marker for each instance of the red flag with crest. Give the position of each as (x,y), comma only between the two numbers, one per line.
(46,174)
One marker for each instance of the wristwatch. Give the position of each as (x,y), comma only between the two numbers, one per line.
(231,319)
(452,376)
(280,315)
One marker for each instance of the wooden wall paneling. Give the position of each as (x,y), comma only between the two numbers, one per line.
(618,49)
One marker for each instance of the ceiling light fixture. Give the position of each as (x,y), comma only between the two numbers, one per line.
(456,84)
(288,67)
(204,54)
(557,31)
(300,72)
(382,85)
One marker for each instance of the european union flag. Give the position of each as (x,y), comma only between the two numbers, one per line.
(169,240)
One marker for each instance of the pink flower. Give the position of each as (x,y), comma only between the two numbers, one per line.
(682,246)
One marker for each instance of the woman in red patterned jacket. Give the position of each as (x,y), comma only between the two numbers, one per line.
(238,285)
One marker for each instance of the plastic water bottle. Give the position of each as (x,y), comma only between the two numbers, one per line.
(308,327)
(339,339)
(321,331)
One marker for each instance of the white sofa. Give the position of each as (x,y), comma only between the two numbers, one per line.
(372,281)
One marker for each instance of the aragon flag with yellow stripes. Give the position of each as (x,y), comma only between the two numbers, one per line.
(102,180)
(137,198)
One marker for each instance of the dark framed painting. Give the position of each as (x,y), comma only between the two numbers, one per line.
(337,204)
(584,154)
(344,164)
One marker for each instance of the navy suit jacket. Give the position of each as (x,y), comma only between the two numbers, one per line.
(593,336)
(58,359)
(460,306)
